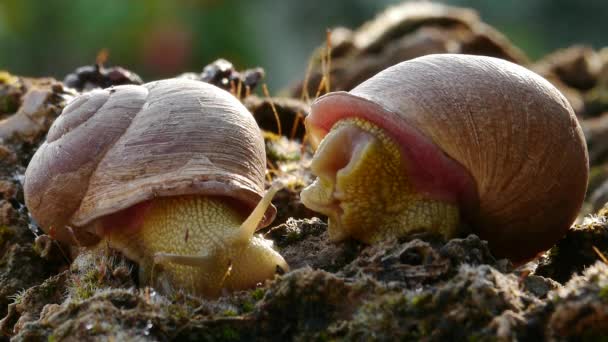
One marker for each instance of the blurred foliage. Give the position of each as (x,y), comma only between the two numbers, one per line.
(162,38)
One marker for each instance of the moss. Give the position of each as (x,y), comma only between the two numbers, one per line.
(258,294)
(179,312)
(473,338)
(470,301)
(94,271)
(229,313)
(48,289)
(5,234)
(17,298)
(279,148)
(580,311)
(603,294)
(292,236)
(247,307)
(87,285)
(83,293)
(229,334)
(420,300)
(294,230)
(388,316)
(304,302)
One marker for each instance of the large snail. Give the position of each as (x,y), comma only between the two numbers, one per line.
(166,172)
(441,139)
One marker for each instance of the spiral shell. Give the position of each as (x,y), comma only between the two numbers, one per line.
(113,148)
(510,129)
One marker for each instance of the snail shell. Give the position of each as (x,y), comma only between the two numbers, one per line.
(492,136)
(116,147)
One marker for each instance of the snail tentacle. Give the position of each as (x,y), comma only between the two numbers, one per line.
(251,224)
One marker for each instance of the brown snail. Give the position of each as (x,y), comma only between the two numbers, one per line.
(167,172)
(441,139)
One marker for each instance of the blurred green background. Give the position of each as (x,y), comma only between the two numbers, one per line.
(157,38)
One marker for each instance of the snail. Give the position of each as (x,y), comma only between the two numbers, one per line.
(167,173)
(439,140)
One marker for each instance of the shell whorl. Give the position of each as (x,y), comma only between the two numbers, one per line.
(509,128)
(116,147)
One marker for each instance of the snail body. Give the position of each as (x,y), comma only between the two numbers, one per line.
(476,139)
(166,172)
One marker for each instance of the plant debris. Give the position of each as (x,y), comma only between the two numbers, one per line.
(222,73)
(89,77)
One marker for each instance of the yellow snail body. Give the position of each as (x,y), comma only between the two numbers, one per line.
(167,172)
(441,139)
